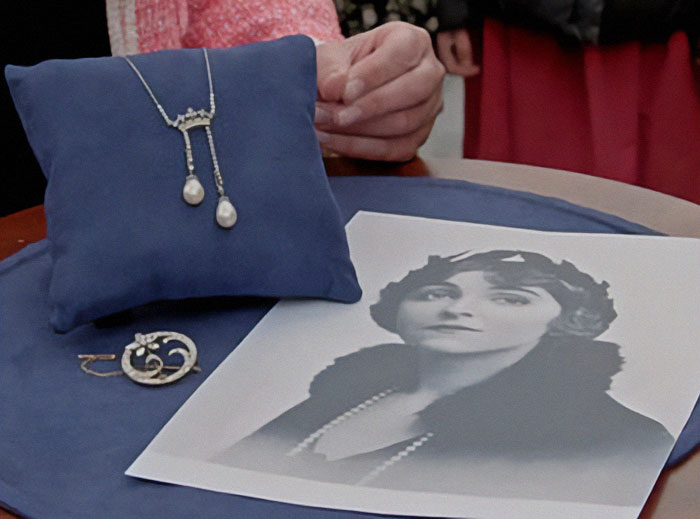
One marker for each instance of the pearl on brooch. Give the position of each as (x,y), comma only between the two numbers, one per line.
(226,215)
(193,192)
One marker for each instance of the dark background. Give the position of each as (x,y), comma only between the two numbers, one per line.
(32,31)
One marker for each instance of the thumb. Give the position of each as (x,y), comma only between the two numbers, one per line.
(332,65)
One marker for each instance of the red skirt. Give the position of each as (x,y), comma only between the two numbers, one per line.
(627,112)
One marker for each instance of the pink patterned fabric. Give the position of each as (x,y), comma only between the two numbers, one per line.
(137,26)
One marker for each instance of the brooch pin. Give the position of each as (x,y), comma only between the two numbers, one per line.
(142,363)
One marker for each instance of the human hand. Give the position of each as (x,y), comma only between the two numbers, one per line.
(378,93)
(455,52)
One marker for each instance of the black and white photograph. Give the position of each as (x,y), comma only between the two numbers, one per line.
(486,372)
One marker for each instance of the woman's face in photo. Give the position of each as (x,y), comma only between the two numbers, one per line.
(466,313)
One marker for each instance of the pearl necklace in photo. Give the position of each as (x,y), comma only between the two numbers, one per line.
(193,192)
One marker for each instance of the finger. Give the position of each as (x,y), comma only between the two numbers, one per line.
(446,54)
(332,65)
(463,46)
(323,114)
(395,48)
(471,70)
(465,54)
(451,64)
(445,41)
(398,149)
(394,124)
(403,92)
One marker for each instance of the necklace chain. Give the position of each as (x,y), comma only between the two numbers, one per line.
(168,121)
(193,193)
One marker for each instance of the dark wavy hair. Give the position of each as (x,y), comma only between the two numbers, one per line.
(587,309)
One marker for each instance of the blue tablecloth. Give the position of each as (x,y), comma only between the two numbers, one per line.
(66,438)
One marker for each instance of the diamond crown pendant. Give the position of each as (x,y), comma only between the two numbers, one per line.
(192,119)
(193,192)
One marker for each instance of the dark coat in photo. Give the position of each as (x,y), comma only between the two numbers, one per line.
(544,428)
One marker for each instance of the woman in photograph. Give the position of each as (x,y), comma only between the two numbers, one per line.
(498,388)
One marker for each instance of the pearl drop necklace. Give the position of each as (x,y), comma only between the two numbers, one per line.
(193,192)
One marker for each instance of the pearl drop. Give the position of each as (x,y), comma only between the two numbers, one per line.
(225,213)
(193,192)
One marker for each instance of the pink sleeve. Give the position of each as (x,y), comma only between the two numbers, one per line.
(137,26)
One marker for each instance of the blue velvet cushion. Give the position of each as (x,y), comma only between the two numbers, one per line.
(121,234)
